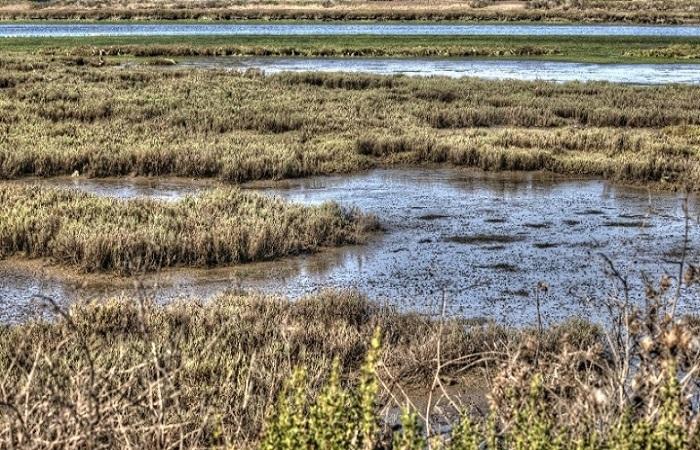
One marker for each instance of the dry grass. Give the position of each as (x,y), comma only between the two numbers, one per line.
(660,6)
(129,373)
(633,385)
(106,121)
(126,374)
(645,11)
(131,236)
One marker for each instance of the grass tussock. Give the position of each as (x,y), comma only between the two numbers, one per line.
(106,121)
(681,51)
(225,226)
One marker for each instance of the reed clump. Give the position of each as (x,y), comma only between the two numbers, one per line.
(109,121)
(222,227)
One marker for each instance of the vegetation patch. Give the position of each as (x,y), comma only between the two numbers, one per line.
(683,51)
(213,375)
(147,49)
(537,225)
(545,245)
(131,236)
(641,11)
(432,216)
(592,212)
(202,375)
(518,293)
(210,375)
(108,121)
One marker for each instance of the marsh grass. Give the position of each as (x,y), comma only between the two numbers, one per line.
(677,51)
(644,11)
(339,50)
(594,49)
(107,121)
(632,386)
(129,373)
(221,227)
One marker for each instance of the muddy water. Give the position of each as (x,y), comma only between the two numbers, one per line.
(464,67)
(315,28)
(482,241)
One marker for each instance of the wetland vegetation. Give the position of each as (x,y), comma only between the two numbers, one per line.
(640,11)
(635,49)
(132,236)
(61,115)
(129,373)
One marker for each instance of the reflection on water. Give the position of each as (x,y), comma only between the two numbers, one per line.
(465,67)
(123,188)
(310,28)
(483,241)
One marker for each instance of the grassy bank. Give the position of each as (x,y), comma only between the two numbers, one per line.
(62,115)
(580,48)
(639,11)
(132,374)
(218,228)
(209,376)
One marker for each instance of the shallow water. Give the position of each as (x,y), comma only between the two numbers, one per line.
(483,241)
(464,67)
(124,188)
(306,29)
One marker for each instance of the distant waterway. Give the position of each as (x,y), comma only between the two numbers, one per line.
(464,67)
(329,29)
